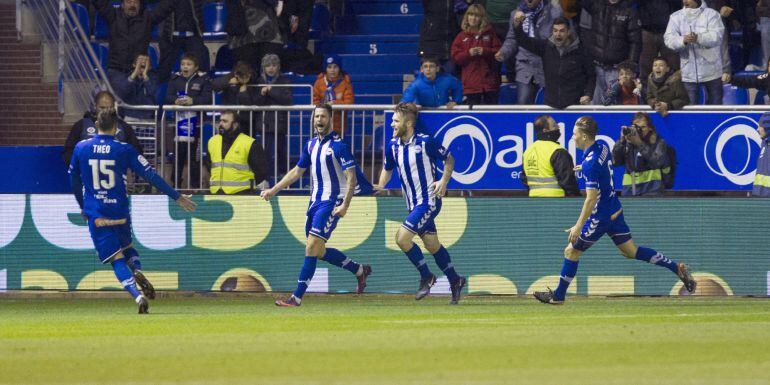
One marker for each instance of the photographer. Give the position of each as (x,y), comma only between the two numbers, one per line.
(646,157)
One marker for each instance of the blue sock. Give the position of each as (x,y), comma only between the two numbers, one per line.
(305,276)
(132,259)
(415,255)
(568,272)
(337,258)
(444,263)
(649,255)
(125,277)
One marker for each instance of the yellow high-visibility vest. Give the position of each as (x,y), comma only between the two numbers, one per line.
(231,174)
(537,166)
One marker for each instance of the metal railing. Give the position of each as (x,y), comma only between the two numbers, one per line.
(182,160)
(77,64)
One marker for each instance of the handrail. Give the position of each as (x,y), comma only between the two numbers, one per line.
(522,108)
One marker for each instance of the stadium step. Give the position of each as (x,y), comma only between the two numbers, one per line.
(371,44)
(384,7)
(384,64)
(29,107)
(379,24)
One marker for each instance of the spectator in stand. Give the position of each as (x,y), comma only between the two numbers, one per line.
(538,22)
(696,33)
(646,157)
(295,21)
(474,52)
(235,88)
(438,30)
(738,15)
(611,35)
(138,88)
(188,87)
(182,32)
(653,15)
(760,82)
(433,89)
(570,77)
(500,14)
(253,29)
(130,28)
(86,128)
(763,13)
(627,89)
(271,93)
(334,87)
(665,90)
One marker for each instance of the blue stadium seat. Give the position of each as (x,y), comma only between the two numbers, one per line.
(320,24)
(733,95)
(102,54)
(508,94)
(153,53)
(81,15)
(224,61)
(214,16)
(101,29)
(540,96)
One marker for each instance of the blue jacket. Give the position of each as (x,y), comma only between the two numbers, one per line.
(434,93)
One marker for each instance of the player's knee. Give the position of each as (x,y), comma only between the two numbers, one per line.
(403,242)
(432,245)
(571,253)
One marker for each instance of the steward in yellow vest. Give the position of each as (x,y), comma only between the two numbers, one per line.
(236,161)
(548,167)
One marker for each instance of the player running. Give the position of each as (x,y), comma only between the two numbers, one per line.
(335,179)
(416,156)
(98,176)
(602,214)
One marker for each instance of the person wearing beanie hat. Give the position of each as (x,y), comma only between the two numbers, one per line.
(271,90)
(762,177)
(333,86)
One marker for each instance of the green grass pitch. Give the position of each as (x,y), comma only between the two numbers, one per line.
(385,339)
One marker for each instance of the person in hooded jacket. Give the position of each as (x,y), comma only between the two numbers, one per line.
(333,86)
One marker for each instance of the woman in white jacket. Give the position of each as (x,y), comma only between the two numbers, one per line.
(696,33)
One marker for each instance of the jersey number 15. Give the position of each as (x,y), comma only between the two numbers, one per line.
(100,168)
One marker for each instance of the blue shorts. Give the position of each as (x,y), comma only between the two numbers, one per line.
(594,228)
(110,240)
(422,218)
(320,221)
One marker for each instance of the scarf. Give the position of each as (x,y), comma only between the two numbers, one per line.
(659,81)
(330,95)
(530,20)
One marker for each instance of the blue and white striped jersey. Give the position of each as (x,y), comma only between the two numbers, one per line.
(327,160)
(416,163)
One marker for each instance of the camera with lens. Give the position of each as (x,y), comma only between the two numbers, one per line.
(631,130)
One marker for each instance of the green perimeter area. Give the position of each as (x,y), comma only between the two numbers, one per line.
(386,339)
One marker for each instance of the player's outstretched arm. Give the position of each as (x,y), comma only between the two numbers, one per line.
(287,180)
(385,176)
(142,167)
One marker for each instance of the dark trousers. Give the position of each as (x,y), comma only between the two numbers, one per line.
(483,98)
(180,159)
(501,30)
(253,53)
(652,47)
(713,88)
(171,49)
